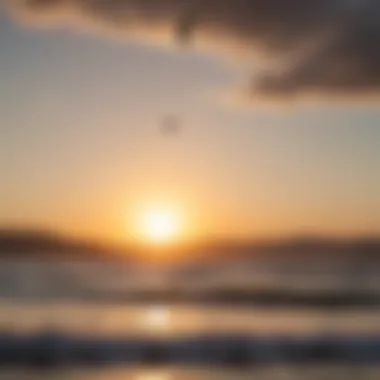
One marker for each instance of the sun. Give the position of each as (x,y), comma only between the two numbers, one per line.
(160,224)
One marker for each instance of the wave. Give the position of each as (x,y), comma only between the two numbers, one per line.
(55,349)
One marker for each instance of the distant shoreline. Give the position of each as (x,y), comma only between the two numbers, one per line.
(26,244)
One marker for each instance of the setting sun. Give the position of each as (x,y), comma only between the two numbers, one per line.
(160,224)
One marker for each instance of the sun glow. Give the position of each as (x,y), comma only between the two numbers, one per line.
(160,224)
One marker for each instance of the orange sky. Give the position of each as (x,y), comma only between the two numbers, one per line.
(81,146)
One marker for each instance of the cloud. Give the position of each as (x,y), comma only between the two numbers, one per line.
(298,47)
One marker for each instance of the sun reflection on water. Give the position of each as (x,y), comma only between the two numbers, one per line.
(154,376)
(157,318)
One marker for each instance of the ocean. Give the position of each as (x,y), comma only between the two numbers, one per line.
(51,328)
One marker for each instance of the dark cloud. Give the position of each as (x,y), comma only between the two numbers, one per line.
(328,47)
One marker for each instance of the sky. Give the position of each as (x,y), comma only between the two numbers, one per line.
(81,108)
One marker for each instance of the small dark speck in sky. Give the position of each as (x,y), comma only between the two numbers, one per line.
(170,125)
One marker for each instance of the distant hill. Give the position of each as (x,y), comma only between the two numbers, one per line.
(32,243)
(49,245)
(290,248)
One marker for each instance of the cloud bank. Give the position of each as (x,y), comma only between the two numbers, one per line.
(297,47)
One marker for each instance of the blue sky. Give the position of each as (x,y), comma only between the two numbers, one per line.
(80,143)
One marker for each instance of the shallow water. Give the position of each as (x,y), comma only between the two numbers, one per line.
(282,372)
